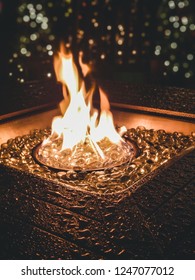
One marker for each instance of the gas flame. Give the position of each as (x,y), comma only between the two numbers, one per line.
(80,121)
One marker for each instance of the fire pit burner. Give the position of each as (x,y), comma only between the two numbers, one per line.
(83,157)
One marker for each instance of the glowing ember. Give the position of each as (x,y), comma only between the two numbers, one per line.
(83,138)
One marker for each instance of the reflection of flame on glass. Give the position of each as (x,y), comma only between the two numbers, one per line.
(83,138)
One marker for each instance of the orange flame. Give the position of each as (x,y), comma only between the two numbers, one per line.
(80,121)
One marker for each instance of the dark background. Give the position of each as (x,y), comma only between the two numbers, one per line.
(137,41)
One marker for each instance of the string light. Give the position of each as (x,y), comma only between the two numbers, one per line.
(175,68)
(183,28)
(167,63)
(181,5)
(50,53)
(187,75)
(190,56)
(26,18)
(33,37)
(174,45)
(171,4)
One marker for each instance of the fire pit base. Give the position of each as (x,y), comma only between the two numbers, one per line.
(141,210)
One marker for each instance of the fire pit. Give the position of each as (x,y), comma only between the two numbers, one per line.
(83,191)
(96,210)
